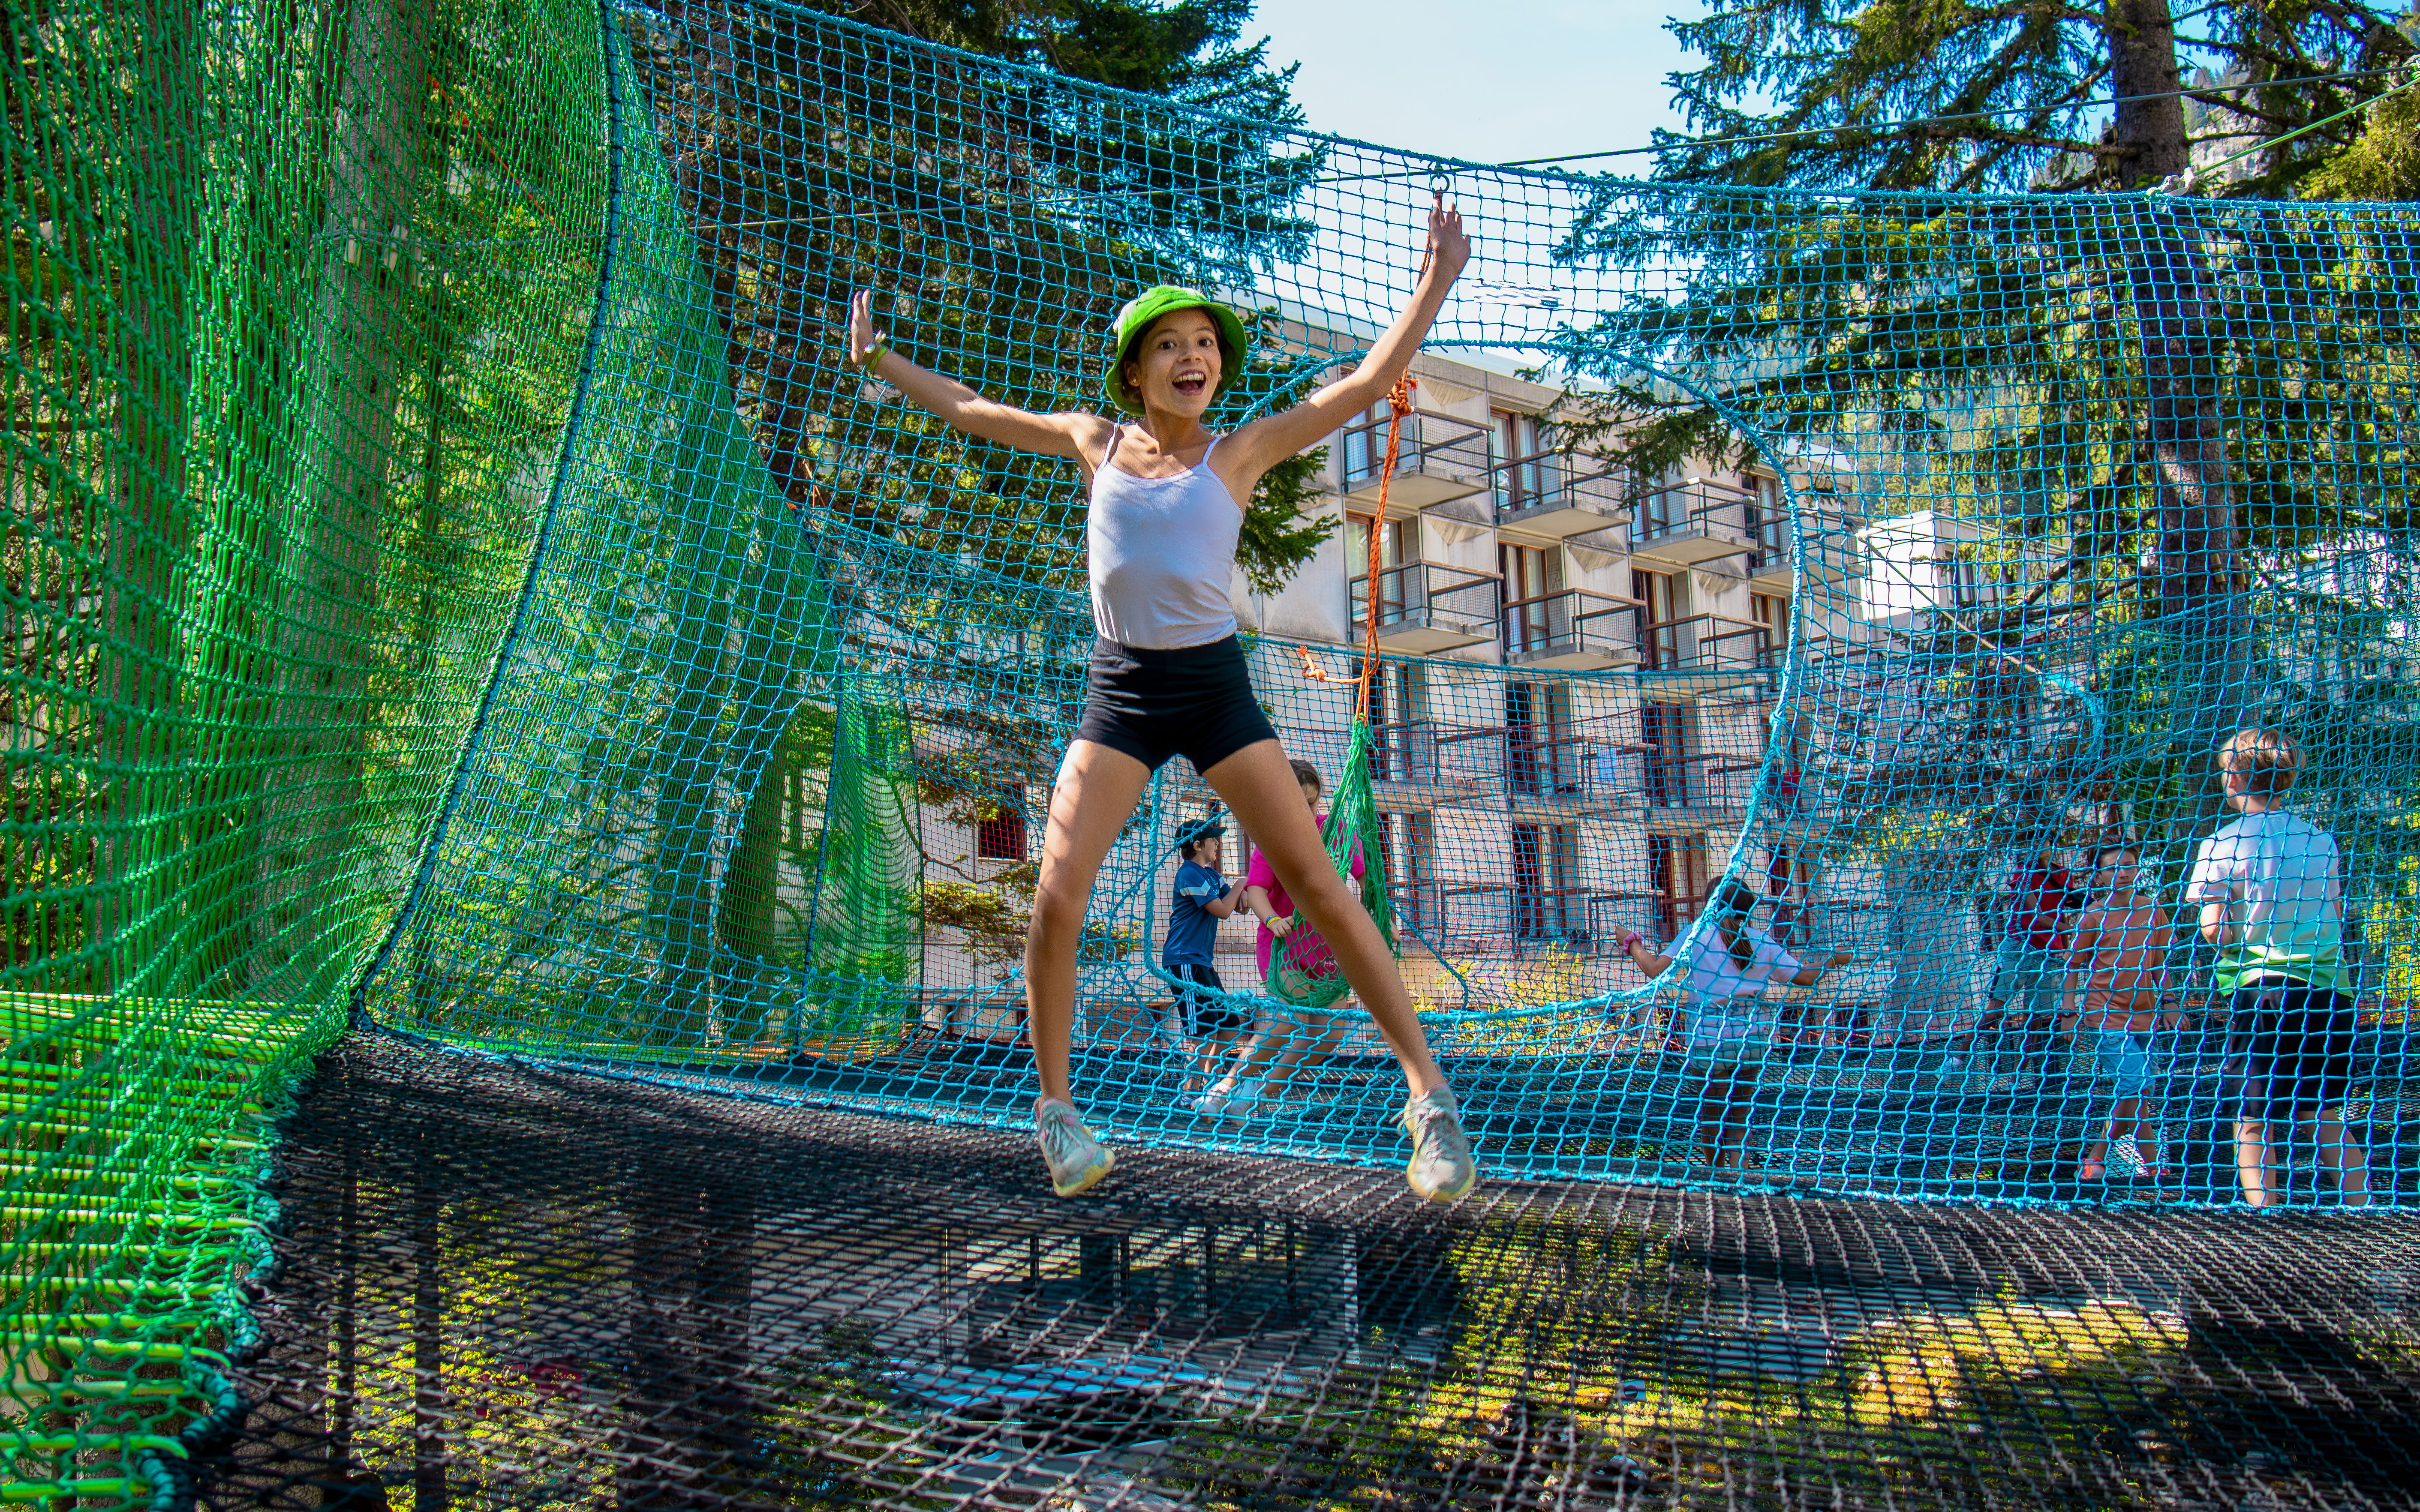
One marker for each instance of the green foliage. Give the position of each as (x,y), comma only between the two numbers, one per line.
(2381,163)
(1020,297)
(2009,97)
(1277,539)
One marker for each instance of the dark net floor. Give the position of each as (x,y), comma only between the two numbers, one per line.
(515,1286)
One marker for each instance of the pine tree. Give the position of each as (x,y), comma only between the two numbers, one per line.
(2125,379)
(1972,95)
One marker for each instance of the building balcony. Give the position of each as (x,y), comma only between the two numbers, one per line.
(1693,522)
(1572,630)
(1474,917)
(1687,795)
(1833,558)
(1439,459)
(1708,653)
(1557,496)
(1427,606)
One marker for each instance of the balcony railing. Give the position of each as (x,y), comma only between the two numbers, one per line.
(1710,644)
(1427,606)
(1472,915)
(1439,458)
(1694,521)
(1556,495)
(1572,628)
(1832,549)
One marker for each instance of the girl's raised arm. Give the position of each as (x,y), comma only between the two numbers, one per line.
(1809,976)
(1272,439)
(1071,433)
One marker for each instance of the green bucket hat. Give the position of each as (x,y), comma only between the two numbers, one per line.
(1150,305)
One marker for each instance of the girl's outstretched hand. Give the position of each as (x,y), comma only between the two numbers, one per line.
(862,337)
(1449,244)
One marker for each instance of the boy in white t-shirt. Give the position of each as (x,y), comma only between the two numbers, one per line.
(1729,1027)
(2271,896)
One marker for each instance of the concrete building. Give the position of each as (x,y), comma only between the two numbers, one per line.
(1577,689)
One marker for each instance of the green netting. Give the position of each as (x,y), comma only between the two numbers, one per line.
(453,579)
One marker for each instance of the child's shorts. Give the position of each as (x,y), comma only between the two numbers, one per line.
(1195,701)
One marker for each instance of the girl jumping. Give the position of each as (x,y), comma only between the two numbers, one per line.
(1167,675)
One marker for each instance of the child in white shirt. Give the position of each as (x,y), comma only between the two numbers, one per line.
(1728,1026)
(2270,889)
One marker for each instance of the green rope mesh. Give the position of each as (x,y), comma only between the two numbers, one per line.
(1303,971)
(452,579)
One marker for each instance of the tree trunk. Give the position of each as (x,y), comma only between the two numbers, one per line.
(689,746)
(311,820)
(2201,592)
(150,526)
(2150,115)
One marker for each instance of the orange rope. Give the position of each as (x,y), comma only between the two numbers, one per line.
(1399,404)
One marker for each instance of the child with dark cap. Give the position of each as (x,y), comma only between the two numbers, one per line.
(1210,1022)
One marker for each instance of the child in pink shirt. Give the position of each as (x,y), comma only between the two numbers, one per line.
(1266,898)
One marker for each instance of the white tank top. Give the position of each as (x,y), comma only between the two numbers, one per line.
(1162,552)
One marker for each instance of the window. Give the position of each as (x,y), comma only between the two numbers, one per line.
(1402,743)
(1659,630)
(1395,544)
(1542,869)
(1765,525)
(1538,757)
(1772,610)
(1664,731)
(1667,507)
(1407,843)
(1001,836)
(1517,459)
(1675,880)
(1969,585)
(1365,445)
(1529,581)
(1521,736)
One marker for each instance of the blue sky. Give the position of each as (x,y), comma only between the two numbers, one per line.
(1491,81)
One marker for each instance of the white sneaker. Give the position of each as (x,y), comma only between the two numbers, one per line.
(1229,1105)
(1441,1168)
(1077,1160)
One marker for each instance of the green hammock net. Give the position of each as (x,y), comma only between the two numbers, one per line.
(456,589)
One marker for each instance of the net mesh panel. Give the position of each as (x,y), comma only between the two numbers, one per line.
(510,1286)
(453,581)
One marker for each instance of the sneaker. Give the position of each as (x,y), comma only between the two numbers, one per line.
(1229,1105)
(1441,1169)
(1077,1160)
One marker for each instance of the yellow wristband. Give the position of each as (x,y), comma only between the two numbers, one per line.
(874,355)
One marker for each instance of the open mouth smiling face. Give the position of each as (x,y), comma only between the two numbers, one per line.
(1183,351)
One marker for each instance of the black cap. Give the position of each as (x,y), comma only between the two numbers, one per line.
(1210,825)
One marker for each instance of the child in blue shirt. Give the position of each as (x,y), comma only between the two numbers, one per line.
(1210,1024)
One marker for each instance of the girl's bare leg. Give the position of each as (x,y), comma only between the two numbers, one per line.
(1259,787)
(2252,1161)
(2338,1148)
(1095,794)
(1714,1112)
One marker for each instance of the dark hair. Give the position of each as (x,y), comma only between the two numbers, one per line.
(1191,849)
(1304,772)
(1730,900)
(2101,853)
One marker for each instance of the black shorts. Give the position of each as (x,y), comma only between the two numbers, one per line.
(1204,1013)
(1196,702)
(2289,1049)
